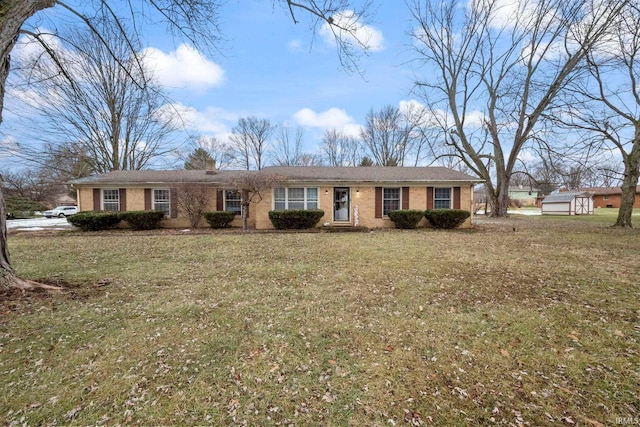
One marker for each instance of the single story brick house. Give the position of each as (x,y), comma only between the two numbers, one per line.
(351,196)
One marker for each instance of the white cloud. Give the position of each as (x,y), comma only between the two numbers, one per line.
(332,118)
(185,67)
(28,48)
(438,117)
(212,120)
(351,129)
(294,46)
(356,33)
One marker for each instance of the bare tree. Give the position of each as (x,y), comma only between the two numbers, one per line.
(310,159)
(340,149)
(29,184)
(288,149)
(251,188)
(193,20)
(66,161)
(391,135)
(250,139)
(495,68)
(193,200)
(106,105)
(606,102)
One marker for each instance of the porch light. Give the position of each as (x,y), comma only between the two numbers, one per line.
(326,192)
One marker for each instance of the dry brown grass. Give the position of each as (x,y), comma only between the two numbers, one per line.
(537,326)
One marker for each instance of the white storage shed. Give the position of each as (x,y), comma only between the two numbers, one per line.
(568,203)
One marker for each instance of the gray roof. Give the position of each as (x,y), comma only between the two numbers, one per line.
(364,174)
(566,196)
(157,177)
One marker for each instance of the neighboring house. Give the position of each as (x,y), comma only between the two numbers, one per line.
(568,203)
(523,195)
(348,195)
(610,197)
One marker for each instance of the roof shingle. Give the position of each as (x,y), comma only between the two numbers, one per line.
(364,174)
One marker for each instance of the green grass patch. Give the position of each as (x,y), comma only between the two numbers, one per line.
(423,327)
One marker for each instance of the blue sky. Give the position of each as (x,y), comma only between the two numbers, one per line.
(271,68)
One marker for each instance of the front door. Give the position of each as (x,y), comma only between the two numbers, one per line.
(341,204)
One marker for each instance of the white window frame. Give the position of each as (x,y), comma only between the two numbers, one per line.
(385,210)
(238,200)
(161,204)
(439,200)
(309,200)
(111,200)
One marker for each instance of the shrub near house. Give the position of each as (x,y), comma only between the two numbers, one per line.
(446,218)
(219,219)
(295,219)
(94,221)
(407,219)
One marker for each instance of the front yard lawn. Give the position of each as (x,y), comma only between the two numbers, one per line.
(538,326)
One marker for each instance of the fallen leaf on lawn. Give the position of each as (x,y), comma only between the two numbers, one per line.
(388,348)
(618,333)
(504,352)
(332,362)
(590,421)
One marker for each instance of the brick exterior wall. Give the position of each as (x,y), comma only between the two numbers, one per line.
(361,196)
(612,201)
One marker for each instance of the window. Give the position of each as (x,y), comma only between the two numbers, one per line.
(296,198)
(441,198)
(285,198)
(390,200)
(312,198)
(162,201)
(605,197)
(233,201)
(111,200)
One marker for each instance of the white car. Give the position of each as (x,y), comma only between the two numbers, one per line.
(61,212)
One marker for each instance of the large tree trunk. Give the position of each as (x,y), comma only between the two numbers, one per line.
(13,13)
(629,183)
(500,197)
